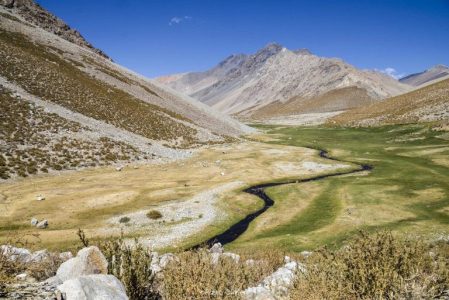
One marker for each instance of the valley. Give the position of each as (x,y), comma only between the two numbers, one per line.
(203,195)
(278,173)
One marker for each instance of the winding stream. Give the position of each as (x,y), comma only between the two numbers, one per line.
(233,232)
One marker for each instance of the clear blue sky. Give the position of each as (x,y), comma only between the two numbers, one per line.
(157,37)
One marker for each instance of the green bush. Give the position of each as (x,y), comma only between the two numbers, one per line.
(124,220)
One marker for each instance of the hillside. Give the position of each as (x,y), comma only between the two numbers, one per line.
(417,79)
(430,103)
(64,105)
(275,77)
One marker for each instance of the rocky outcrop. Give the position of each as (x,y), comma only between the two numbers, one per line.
(37,15)
(89,287)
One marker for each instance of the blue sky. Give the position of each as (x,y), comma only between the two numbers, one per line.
(157,37)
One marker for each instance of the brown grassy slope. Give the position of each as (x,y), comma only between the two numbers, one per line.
(42,73)
(339,99)
(430,103)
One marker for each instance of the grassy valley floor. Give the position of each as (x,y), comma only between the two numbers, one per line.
(407,191)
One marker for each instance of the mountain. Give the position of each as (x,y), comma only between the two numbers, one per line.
(274,77)
(36,15)
(428,75)
(64,105)
(426,104)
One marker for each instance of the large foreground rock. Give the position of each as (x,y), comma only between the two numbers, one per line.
(93,287)
(88,261)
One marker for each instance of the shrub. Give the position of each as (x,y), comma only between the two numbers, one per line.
(378,266)
(131,265)
(195,276)
(124,220)
(154,214)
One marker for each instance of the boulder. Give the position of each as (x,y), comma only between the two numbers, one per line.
(89,287)
(88,261)
(42,224)
(216,248)
(34,221)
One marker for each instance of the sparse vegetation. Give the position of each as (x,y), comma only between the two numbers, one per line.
(47,75)
(36,141)
(154,214)
(377,266)
(225,279)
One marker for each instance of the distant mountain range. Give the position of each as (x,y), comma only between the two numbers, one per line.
(417,79)
(277,81)
(429,103)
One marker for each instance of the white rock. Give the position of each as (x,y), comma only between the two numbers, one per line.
(93,287)
(16,254)
(257,293)
(306,253)
(39,256)
(233,256)
(216,248)
(165,259)
(222,174)
(22,277)
(42,224)
(119,168)
(276,285)
(65,255)
(40,198)
(34,221)
(88,261)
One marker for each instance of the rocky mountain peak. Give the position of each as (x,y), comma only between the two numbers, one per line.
(37,15)
(439,67)
(303,51)
(269,50)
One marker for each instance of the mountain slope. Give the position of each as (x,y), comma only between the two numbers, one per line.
(430,103)
(428,75)
(99,101)
(244,84)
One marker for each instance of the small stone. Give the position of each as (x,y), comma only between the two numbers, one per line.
(40,198)
(42,224)
(34,221)
(22,277)
(119,168)
(222,173)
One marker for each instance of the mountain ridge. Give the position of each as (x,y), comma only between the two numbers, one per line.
(277,74)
